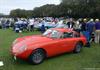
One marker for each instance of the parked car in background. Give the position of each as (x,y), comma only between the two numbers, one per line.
(46,24)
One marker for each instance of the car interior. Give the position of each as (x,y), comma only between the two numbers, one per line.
(67,35)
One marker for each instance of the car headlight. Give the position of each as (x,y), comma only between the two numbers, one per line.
(15,41)
(22,48)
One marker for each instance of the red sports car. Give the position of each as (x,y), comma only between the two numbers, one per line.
(53,42)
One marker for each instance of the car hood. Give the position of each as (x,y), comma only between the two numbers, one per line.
(36,39)
(32,40)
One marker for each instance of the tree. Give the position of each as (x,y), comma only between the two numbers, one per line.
(72,8)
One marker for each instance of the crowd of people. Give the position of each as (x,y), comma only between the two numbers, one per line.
(89,27)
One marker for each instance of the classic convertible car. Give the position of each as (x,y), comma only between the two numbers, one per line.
(53,42)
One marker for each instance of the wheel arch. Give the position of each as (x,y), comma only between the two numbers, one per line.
(80,42)
(45,52)
(30,60)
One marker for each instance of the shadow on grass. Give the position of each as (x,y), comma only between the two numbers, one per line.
(53,58)
(10,59)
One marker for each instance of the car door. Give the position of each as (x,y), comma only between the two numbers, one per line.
(67,42)
(62,45)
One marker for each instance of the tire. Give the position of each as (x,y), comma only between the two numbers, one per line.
(78,47)
(37,56)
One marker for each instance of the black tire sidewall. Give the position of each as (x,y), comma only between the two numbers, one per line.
(78,46)
(32,56)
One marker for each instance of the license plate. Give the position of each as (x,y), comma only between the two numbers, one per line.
(1,63)
(15,58)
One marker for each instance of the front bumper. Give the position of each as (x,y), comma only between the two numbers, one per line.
(24,55)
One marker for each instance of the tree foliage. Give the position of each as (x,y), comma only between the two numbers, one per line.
(72,8)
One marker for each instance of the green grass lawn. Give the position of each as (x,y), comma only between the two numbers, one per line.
(88,58)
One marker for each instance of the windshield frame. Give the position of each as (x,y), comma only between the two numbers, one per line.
(50,33)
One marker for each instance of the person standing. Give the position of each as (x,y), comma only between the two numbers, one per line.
(90,26)
(7,23)
(42,27)
(78,25)
(31,25)
(70,24)
(97,31)
(85,32)
(83,25)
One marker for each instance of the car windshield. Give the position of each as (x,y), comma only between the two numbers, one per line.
(52,33)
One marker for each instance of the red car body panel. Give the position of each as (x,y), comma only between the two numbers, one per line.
(51,46)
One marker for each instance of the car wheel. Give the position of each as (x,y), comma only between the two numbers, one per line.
(37,56)
(78,47)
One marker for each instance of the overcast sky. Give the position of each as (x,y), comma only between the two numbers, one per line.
(7,5)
